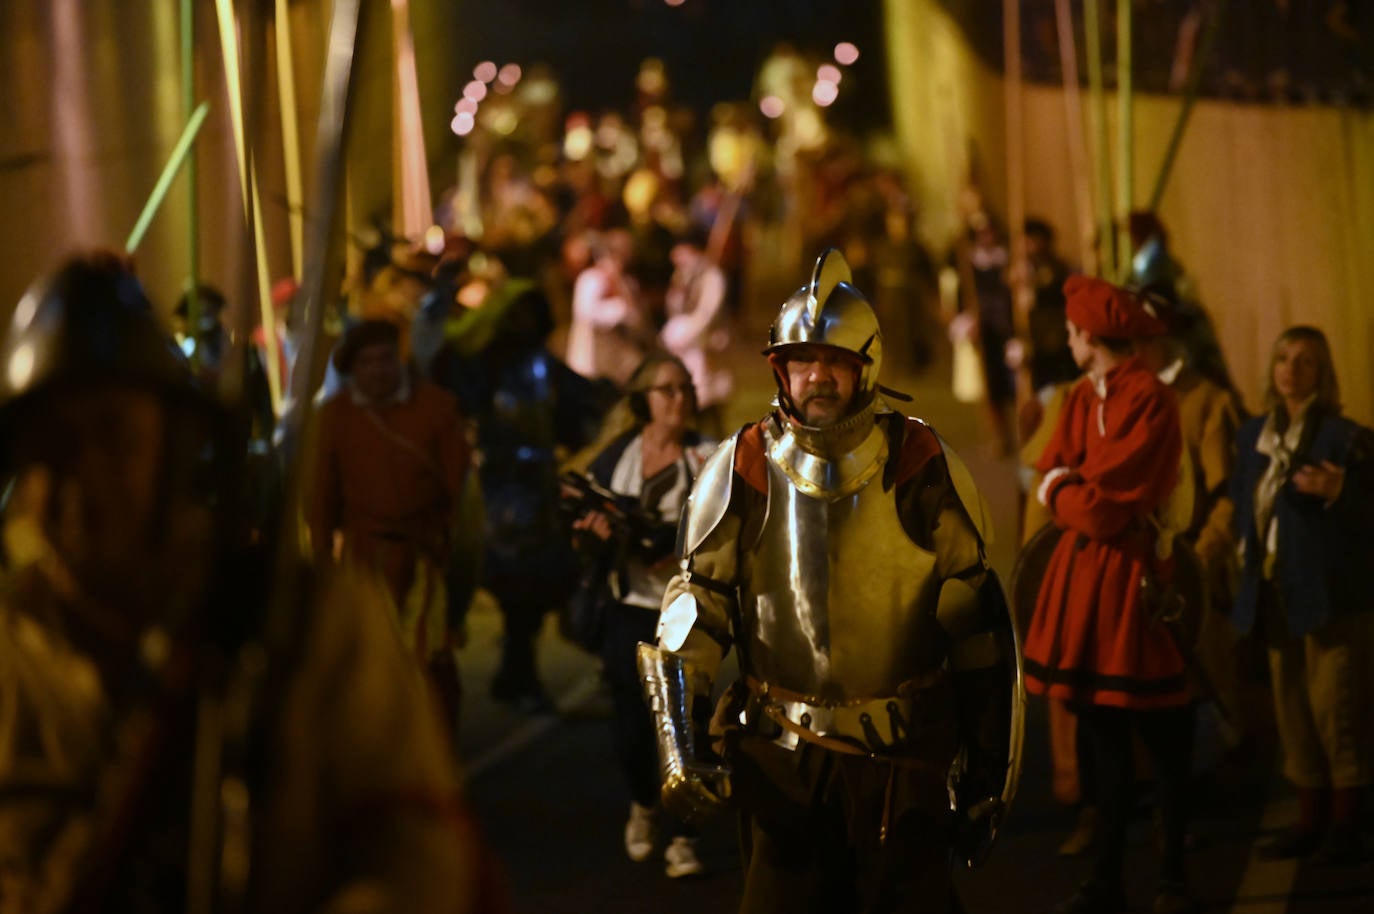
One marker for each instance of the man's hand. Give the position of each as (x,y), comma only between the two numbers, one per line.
(696,792)
(595,523)
(976,830)
(1324,481)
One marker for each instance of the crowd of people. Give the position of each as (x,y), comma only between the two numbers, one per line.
(836,544)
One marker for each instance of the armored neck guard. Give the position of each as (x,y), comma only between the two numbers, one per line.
(821,462)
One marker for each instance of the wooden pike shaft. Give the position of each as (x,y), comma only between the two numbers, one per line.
(1016,158)
(1125,138)
(180,153)
(1097,116)
(1077,143)
(248,186)
(1190,95)
(291,137)
(188,102)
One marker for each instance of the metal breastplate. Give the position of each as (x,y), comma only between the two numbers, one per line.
(839,603)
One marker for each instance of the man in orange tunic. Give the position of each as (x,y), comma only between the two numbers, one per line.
(391,460)
(1109,471)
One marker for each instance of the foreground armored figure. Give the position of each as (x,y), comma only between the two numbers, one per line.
(839,546)
(180,729)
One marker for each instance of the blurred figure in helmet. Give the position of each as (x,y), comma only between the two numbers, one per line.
(164,698)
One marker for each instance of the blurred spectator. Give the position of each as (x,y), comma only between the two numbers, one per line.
(607,323)
(1304,495)
(907,297)
(390,463)
(1152,264)
(518,218)
(1210,414)
(698,330)
(1051,360)
(985,300)
(284,293)
(209,343)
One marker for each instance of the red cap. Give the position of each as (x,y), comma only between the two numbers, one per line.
(1102,309)
(283,290)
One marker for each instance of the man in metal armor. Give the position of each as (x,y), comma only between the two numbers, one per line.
(839,546)
(527,405)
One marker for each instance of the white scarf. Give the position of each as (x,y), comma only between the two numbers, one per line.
(1280,450)
(645,585)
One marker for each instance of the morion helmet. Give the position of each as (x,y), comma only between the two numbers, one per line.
(88,323)
(829,311)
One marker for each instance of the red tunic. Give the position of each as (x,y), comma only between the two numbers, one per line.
(1091,640)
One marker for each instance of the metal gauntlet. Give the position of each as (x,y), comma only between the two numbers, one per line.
(692,789)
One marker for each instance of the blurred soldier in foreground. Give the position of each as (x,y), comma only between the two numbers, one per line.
(174,734)
(840,545)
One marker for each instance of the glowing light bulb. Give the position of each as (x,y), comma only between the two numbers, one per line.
(771,106)
(434,239)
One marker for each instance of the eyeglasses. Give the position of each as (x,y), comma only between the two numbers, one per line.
(669,389)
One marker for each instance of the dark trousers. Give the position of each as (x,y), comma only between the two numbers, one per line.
(1087,768)
(632,727)
(1168,737)
(812,838)
(521,619)
(818,869)
(528,584)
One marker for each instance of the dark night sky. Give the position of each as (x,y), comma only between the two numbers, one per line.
(712,48)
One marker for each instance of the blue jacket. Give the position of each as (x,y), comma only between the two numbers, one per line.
(1324,555)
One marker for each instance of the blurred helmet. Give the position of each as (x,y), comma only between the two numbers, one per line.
(89,323)
(830,311)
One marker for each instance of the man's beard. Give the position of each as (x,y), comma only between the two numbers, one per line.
(826,392)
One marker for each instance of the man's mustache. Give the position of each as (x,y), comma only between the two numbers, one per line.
(825,390)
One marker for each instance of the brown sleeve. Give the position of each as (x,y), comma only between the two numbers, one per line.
(1216,458)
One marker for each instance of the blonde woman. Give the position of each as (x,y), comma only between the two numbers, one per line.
(1304,495)
(648,451)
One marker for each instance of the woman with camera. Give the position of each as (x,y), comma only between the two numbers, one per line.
(647,454)
(1304,496)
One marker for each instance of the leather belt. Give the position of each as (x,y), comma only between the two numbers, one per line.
(876,728)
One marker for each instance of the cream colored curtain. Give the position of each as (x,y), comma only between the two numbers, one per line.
(1271,209)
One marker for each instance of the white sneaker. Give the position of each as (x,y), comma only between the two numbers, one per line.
(681,858)
(639,833)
